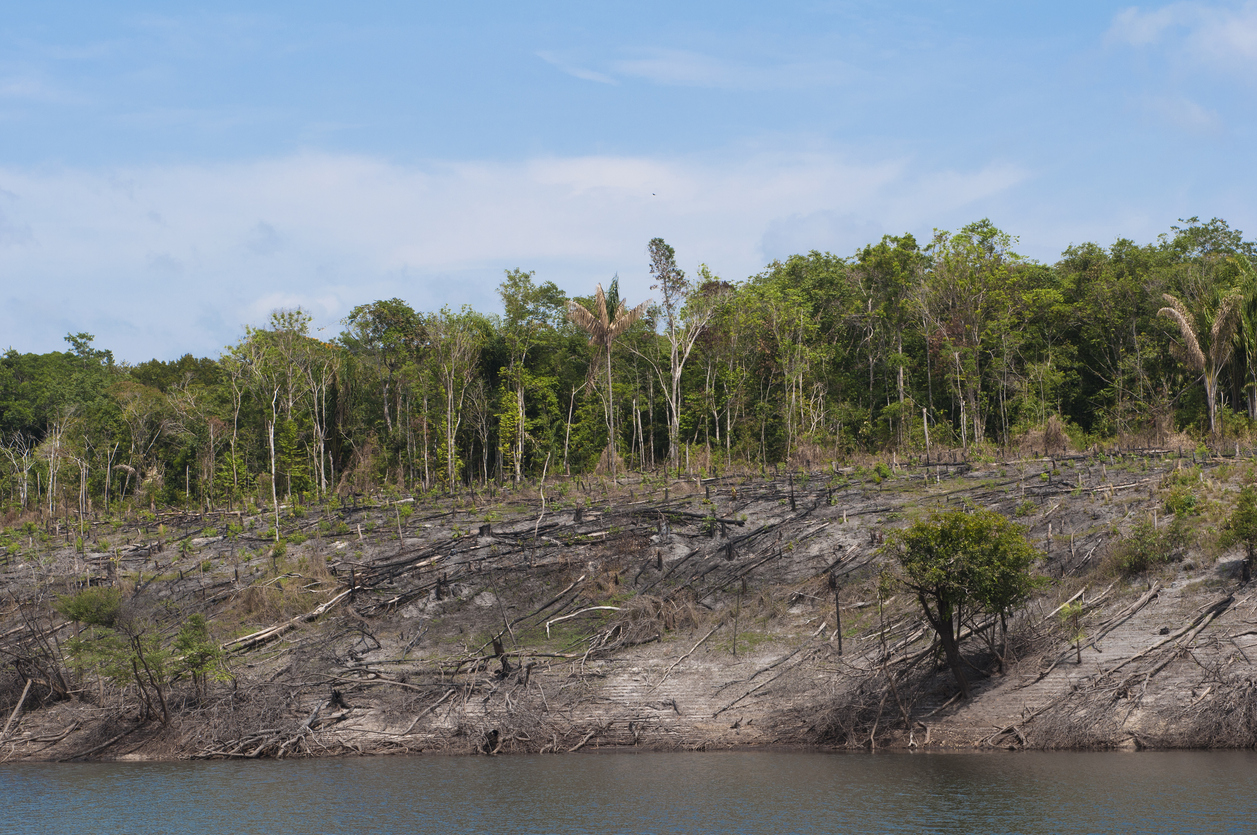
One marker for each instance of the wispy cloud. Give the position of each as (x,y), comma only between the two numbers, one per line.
(1219,34)
(330,231)
(684,68)
(12,234)
(26,88)
(1139,27)
(1183,113)
(572,69)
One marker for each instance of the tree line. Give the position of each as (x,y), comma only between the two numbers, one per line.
(958,343)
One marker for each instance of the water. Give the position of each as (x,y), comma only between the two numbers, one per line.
(761,792)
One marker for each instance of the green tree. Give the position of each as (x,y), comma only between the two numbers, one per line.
(789,327)
(890,273)
(532,314)
(1114,295)
(199,655)
(455,342)
(118,645)
(686,315)
(1242,527)
(391,333)
(962,564)
(968,296)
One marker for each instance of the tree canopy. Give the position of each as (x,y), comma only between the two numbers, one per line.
(960,565)
(904,347)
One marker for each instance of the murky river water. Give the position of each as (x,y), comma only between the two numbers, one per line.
(763,792)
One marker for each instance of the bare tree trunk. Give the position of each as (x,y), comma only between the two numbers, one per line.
(270,432)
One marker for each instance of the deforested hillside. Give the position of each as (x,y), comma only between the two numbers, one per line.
(688,614)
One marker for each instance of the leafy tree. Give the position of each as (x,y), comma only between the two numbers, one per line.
(968,297)
(1246,333)
(199,655)
(726,360)
(961,564)
(455,340)
(890,273)
(390,332)
(686,315)
(1113,294)
(789,327)
(533,312)
(1242,527)
(118,645)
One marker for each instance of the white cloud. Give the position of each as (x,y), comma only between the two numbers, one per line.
(1143,28)
(573,70)
(11,233)
(683,68)
(161,260)
(27,88)
(263,239)
(1183,113)
(1214,34)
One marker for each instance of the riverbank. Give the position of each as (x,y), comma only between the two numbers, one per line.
(663,615)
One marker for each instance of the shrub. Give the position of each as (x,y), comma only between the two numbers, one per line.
(1145,547)
(93,606)
(1182,502)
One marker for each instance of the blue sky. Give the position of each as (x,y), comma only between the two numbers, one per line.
(170,173)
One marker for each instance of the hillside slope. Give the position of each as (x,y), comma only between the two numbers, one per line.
(678,615)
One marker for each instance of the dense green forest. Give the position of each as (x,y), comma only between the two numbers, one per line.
(957,343)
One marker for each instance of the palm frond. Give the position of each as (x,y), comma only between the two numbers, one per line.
(1224,327)
(587,322)
(1193,356)
(624,319)
(600,302)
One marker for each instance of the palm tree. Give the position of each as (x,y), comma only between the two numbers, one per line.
(1221,344)
(603,329)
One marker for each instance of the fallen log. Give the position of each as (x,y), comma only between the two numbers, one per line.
(16,711)
(260,637)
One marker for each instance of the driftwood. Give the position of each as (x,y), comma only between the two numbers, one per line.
(575,614)
(254,639)
(668,671)
(428,710)
(16,711)
(103,745)
(1105,628)
(583,741)
(1191,630)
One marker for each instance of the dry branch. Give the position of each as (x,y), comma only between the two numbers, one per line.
(254,639)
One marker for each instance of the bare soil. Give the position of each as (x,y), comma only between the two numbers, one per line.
(683,614)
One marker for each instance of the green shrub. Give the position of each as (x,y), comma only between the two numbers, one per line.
(1145,547)
(1182,502)
(94,606)
(1184,477)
